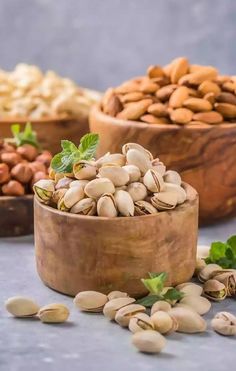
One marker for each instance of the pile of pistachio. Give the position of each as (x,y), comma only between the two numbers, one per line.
(130,183)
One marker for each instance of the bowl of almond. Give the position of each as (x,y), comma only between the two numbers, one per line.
(56,107)
(186,115)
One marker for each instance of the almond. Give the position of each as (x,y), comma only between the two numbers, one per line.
(221,79)
(198,123)
(131,97)
(210,117)
(226,109)
(113,105)
(179,68)
(168,68)
(158,109)
(133,111)
(155,71)
(229,86)
(161,81)
(198,104)
(195,67)
(151,119)
(178,97)
(127,87)
(210,97)
(225,97)
(209,87)
(181,115)
(196,78)
(109,92)
(165,92)
(148,87)
(193,93)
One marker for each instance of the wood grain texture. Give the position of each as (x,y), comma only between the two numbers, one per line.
(76,253)
(51,132)
(16,216)
(203,154)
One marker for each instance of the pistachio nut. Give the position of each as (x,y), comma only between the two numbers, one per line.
(200,264)
(164,200)
(53,313)
(188,320)
(126,147)
(110,309)
(70,198)
(57,195)
(90,301)
(86,206)
(117,294)
(124,314)
(114,158)
(140,322)
(79,183)
(44,189)
(143,208)
(206,273)
(158,166)
(106,206)
(224,323)
(163,322)
(139,159)
(20,306)
(124,203)
(134,173)
(117,175)
(214,290)
(148,341)
(160,305)
(172,176)
(180,192)
(190,288)
(203,251)
(200,304)
(97,187)
(153,181)
(84,170)
(228,279)
(63,183)
(137,191)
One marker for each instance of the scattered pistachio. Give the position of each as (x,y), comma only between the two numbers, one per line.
(149,341)
(53,313)
(124,314)
(140,322)
(200,304)
(224,323)
(214,290)
(188,320)
(160,305)
(90,301)
(20,306)
(163,322)
(228,278)
(110,309)
(117,294)
(190,288)
(206,273)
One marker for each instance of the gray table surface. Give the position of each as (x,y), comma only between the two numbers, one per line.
(90,342)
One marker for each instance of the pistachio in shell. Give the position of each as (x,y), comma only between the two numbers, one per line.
(117,294)
(124,314)
(110,309)
(158,166)
(44,189)
(124,202)
(206,273)
(117,175)
(70,198)
(198,303)
(188,320)
(126,147)
(63,183)
(160,305)
(190,288)
(137,191)
(164,200)
(20,306)
(224,323)
(134,173)
(53,313)
(90,301)
(79,183)
(139,159)
(214,290)
(97,187)
(114,158)
(57,195)
(86,206)
(106,206)
(148,341)
(140,322)
(144,208)
(153,181)
(163,322)
(172,176)
(228,278)
(84,170)
(180,192)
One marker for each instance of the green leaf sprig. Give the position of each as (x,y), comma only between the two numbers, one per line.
(155,285)
(63,162)
(223,253)
(27,136)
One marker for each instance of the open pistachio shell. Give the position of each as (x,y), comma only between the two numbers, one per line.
(144,208)
(57,195)
(106,206)
(206,273)
(114,305)
(214,290)
(137,191)
(134,173)
(44,189)
(140,322)
(188,320)
(164,200)
(84,170)
(160,305)
(200,304)
(180,192)
(158,166)
(124,314)
(228,278)
(138,158)
(153,181)
(97,187)
(71,197)
(86,206)
(149,341)
(126,147)
(115,159)
(224,323)
(124,202)
(172,176)
(90,301)
(116,174)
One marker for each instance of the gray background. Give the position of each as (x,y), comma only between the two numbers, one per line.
(100,43)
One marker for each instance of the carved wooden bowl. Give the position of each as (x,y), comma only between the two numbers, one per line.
(203,154)
(76,253)
(16,216)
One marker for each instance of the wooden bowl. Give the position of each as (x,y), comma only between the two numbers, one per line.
(76,253)
(16,216)
(203,154)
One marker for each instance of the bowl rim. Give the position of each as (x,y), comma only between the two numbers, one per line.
(191,192)
(96,110)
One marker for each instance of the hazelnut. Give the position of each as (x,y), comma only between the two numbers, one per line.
(38,176)
(22,172)
(11,158)
(45,158)
(36,166)
(13,188)
(8,148)
(28,152)
(4,173)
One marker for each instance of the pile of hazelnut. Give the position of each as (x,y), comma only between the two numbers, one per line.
(21,167)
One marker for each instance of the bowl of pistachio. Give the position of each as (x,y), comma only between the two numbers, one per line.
(103,223)
(185,114)
(57,107)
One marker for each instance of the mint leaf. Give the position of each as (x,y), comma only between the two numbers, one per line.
(155,284)
(28,136)
(217,250)
(173,294)
(232,243)
(149,300)
(223,254)
(88,146)
(68,146)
